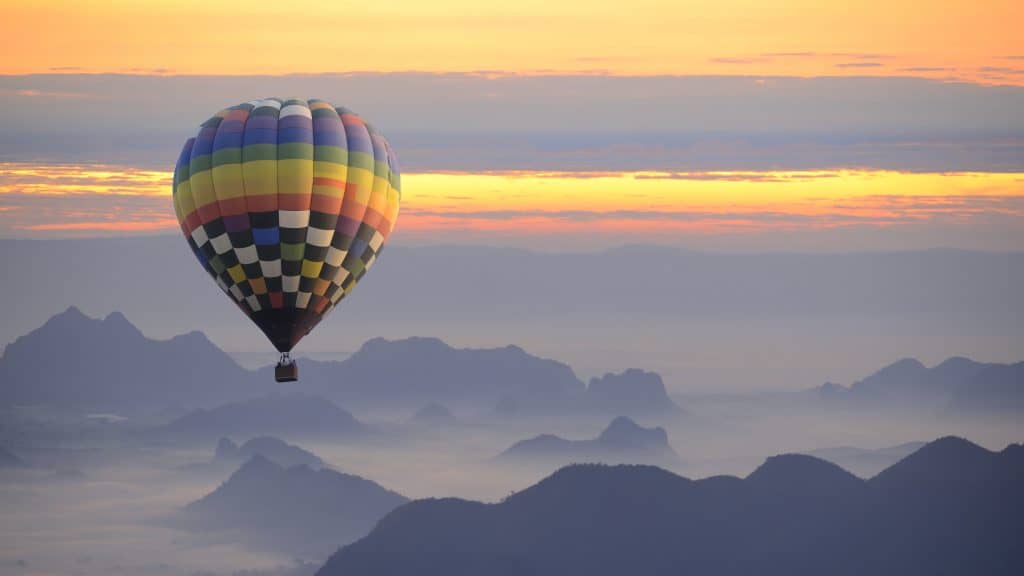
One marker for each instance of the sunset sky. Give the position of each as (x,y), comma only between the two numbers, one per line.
(947,39)
(719,125)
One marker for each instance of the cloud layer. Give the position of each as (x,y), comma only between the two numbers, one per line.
(473,122)
(581,210)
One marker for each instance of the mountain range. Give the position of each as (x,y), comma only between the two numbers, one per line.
(622,441)
(297,510)
(633,392)
(412,372)
(686,313)
(74,360)
(108,363)
(958,385)
(951,507)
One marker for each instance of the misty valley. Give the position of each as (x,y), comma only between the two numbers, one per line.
(177,460)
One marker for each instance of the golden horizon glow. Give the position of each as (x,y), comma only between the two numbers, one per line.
(952,40)
(524,203)
(104,226)
(76,179)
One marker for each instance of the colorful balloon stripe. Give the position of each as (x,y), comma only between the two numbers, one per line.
(286,204)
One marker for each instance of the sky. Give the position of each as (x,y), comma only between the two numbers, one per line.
(949,39)
(714,125)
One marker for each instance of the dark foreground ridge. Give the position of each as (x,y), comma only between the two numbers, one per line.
(952,507)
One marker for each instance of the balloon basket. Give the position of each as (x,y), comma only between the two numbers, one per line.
(287,370)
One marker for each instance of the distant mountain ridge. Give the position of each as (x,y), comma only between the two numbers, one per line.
(274,449)
(419,371)
(622,441)
(296,510)
(633,392)
(412,372)
(922,292)
(274,414)
(76,360)
(957,384)
(109,363)
(950,507)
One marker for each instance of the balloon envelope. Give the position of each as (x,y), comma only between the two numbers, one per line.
(286,203)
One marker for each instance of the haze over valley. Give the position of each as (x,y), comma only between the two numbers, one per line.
(95,457)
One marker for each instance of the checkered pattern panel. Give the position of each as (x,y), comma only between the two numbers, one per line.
(286,203)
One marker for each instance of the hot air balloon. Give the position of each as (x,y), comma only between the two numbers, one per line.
(286,203)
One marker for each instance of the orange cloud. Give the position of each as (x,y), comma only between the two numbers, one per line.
(104,226)
(83,200)
(53,94)
(62,179)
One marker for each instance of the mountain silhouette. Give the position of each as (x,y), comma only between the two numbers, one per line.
(412,372)
(622,441)
(274,414)
(949,464)
(74,360)
(274,449)
(110,364)
(633,392)
(296,510)
(995,388)
(801,476)
(971,297)
(950,508)
(957,384)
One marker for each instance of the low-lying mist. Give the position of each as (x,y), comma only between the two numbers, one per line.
(84,502)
